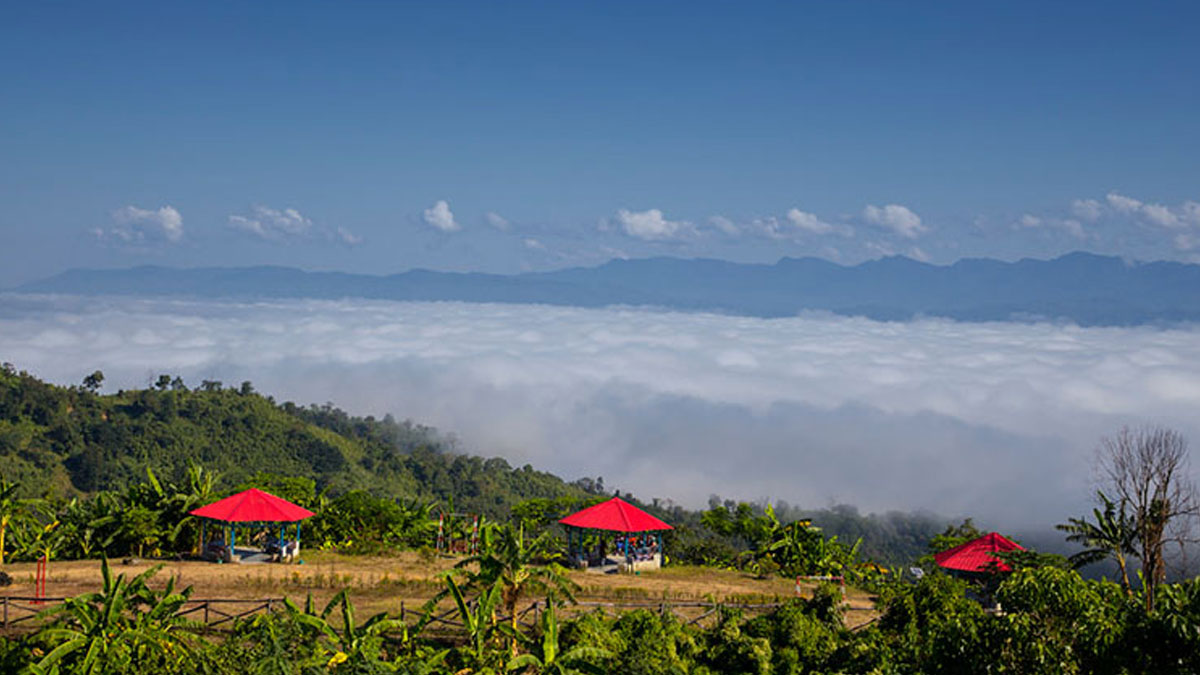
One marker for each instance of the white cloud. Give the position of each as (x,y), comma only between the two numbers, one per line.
(1160,215)
(1088,210)
(1155,214)
(1073,228)
(797,226)
(440,217)
(135,225)
(725,225)
(288,225)
(897,218)
(347,237)
(496,220)
(272,224)
(1069,225)
(1190,212)
(1122,203)
(808,222)
(1187,242)
(650,225)
(818,408)
(533,244)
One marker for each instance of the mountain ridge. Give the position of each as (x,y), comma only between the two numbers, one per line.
(1080,287)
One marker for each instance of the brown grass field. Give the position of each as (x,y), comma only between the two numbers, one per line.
(384,584)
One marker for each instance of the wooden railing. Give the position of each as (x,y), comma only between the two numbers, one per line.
(213,612)
(217,612)
(689,613)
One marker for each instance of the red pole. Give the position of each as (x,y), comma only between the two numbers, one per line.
(39,584)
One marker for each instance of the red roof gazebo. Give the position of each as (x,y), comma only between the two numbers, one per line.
(617,515)
(976,556)
(253,508)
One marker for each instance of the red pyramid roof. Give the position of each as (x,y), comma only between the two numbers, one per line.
(615,514)
(253,506)
(976,555)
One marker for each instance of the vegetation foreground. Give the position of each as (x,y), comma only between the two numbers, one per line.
(1053,622)
(92,477)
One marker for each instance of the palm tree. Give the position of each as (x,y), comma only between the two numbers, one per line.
(546,656)
(1112,535)
(507,561)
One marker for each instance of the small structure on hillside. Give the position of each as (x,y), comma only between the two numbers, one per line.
(251,510)
(976,556)
(638,547)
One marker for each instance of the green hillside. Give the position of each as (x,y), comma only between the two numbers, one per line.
(63,441)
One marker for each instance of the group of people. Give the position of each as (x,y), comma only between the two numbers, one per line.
(276,550)
(628,549)
(638,547)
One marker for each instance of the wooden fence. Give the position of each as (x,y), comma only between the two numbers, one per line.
(218,612)
(215,612)
(689,613)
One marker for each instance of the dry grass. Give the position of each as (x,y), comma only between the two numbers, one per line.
(383,584)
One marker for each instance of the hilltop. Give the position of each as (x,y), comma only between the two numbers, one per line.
(71,440)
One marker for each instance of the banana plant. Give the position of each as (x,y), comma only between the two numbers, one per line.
(545,656)
(14,513)
(355,645)
(506,561)
(479,622)
(124,625)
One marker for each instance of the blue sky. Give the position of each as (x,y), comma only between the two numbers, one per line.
(378,137)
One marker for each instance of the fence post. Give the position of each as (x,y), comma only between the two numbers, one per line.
(205,612)
(6,611)
(402,610)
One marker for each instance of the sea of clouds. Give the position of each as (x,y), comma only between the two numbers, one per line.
(994,420)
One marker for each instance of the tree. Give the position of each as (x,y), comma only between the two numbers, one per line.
(92,382)
(1147,471)
(1111,535)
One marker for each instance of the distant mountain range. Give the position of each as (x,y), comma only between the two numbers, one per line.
(1083,288)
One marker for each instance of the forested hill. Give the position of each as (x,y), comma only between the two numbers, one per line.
(64,441)
(69,440)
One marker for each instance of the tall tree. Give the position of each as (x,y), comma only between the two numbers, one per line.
(1148,471)
(92,382)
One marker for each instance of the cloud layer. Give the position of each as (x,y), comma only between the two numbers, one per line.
(992,420)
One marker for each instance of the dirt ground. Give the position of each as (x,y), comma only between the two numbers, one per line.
(386,584)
